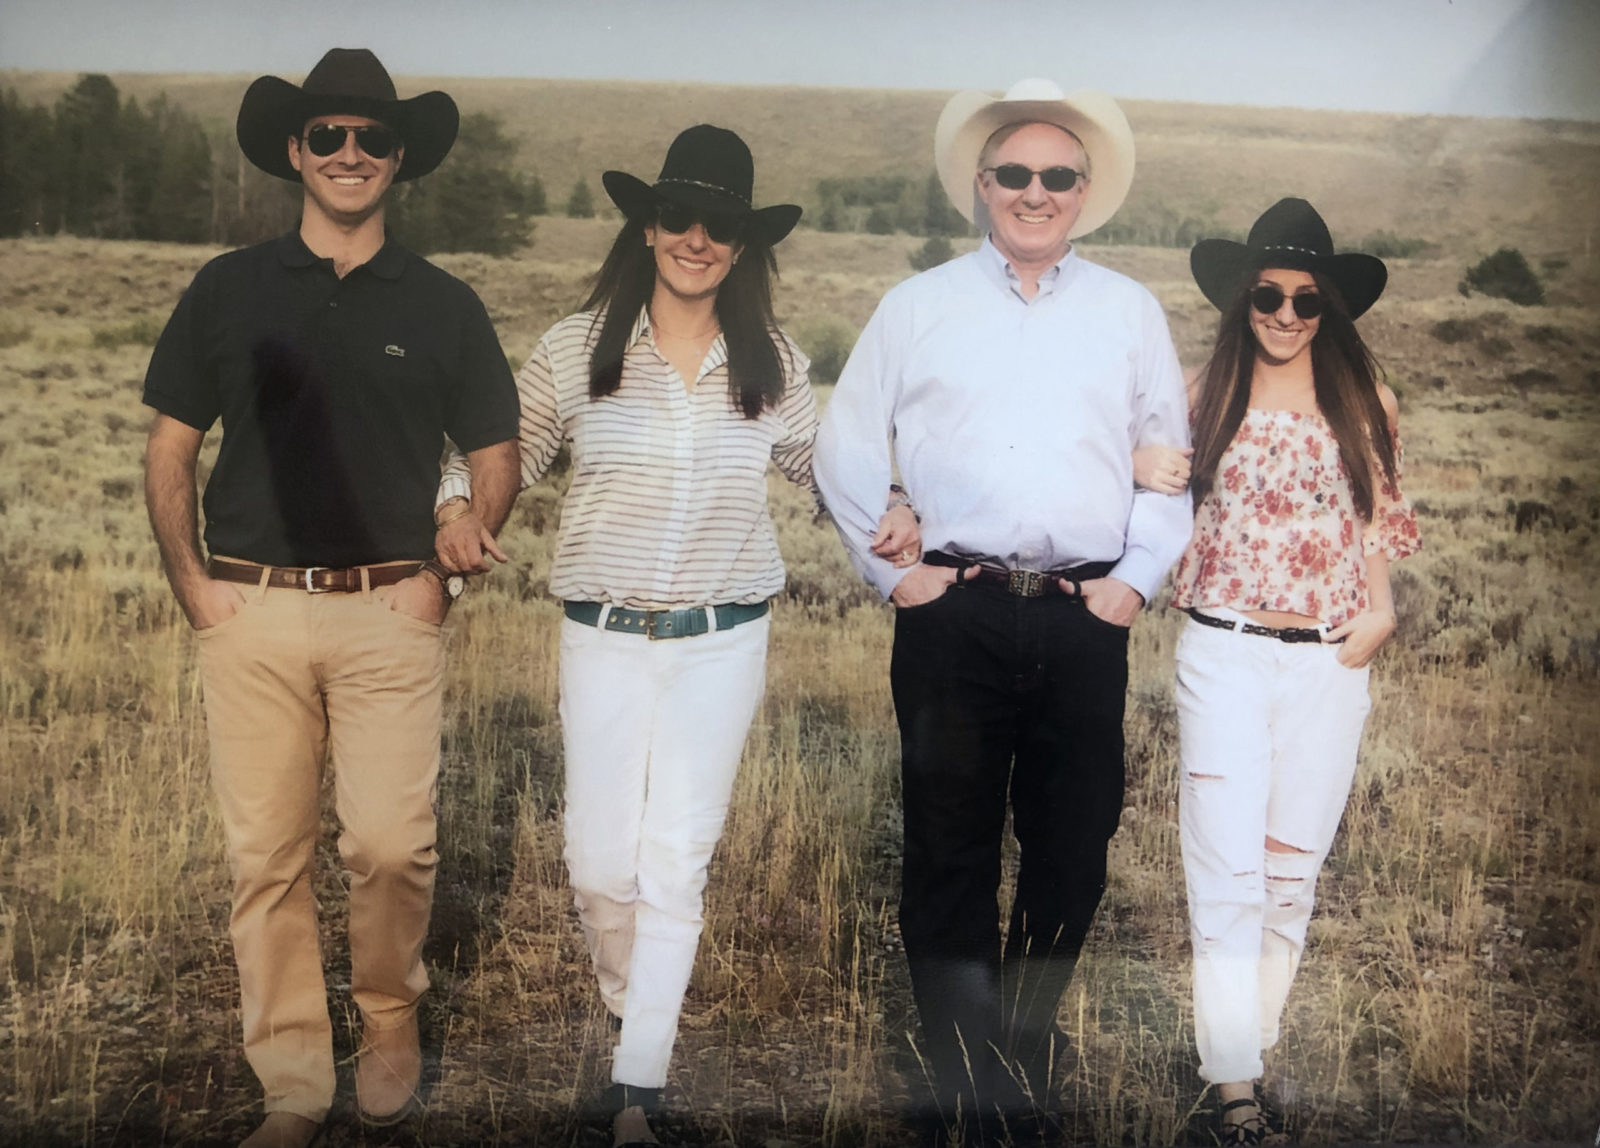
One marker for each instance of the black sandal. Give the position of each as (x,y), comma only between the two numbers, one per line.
(1246,1133)
(1271,1114)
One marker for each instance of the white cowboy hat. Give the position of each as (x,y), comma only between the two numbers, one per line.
(970,118)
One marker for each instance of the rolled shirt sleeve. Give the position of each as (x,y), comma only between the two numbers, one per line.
(853,462)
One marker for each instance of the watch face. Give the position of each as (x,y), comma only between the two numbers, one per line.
(455,586)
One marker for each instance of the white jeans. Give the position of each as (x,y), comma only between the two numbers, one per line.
(1268,735)
(653,732)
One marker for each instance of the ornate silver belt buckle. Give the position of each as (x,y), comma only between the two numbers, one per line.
(1026,583)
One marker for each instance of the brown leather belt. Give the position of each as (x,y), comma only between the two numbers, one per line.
(311,579)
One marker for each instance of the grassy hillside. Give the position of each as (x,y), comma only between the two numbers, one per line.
(1465,185)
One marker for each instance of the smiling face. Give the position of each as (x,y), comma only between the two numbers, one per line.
(1030,226)
(346,187)
(690,265)
(1283,336)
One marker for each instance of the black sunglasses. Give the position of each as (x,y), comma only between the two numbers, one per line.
(721,227)
(1016,176)
(1268,299)
(374,139)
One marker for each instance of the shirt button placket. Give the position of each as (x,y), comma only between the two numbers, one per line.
(681,408)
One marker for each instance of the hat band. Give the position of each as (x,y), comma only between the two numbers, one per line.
(1290,247)
(744,199)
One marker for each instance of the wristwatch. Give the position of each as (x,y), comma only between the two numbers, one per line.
(452,584)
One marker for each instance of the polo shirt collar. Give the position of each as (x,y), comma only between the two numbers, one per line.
(388,263)
(998,270)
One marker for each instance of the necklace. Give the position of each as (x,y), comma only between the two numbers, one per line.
(695,337)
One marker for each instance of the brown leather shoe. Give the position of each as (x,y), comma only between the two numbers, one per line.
(283,1130)
(388,1071)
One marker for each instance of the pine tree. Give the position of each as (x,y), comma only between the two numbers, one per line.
(26,135)
(85,173)
(940,217)
(474,202)
(580,204)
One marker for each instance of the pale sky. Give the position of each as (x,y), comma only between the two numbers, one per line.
(1470,57)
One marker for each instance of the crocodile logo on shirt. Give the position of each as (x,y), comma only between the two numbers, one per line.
(397,352)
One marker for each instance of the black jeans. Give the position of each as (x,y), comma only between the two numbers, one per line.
(1002,697)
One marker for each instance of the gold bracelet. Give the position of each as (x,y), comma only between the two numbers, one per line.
(466,509)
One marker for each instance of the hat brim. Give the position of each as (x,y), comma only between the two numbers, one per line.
(273,110)
(1220,267)
(970,118)
(638,200)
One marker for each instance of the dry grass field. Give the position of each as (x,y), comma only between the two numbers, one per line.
(1451,991)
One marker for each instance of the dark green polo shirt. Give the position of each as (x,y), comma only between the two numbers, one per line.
(335,396)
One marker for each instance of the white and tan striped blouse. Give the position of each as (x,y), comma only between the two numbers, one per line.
(668,501)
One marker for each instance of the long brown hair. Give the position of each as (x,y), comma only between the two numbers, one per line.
(758,357)
(1344,373)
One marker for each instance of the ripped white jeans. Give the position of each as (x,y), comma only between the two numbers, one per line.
(1268,735)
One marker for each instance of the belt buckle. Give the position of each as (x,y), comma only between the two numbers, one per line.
(313,589)
(1025,583)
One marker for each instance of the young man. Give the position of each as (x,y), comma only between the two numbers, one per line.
(337,362)
(1014,384)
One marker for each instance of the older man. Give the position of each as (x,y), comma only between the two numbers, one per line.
(1010,387)
(337,362)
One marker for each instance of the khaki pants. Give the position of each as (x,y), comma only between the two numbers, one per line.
(289,677)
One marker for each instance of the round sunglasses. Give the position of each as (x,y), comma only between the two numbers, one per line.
(721,227)
(374,139)
(1268,299)
(1016,176)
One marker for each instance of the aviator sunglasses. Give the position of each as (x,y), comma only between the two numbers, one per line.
(374,139)
(1267,299)
(721,227)
(1016,176)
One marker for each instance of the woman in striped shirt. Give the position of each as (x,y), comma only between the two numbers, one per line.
(674,386)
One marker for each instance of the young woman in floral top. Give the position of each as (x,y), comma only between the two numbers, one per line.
(1298,515)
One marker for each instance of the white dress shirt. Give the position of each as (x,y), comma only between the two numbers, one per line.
(1012,422)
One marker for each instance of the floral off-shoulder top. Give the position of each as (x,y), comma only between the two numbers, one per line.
(1279,529)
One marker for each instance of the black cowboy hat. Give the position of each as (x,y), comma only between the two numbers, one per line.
(707,169)
(1289,234)
(347,81)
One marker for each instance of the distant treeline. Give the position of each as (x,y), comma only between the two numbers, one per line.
(885,204)
(96,165)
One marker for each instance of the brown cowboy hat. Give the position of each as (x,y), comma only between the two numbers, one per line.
(1290,234)
(348,81)
(708,169)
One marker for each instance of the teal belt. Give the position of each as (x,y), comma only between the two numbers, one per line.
(664,623)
